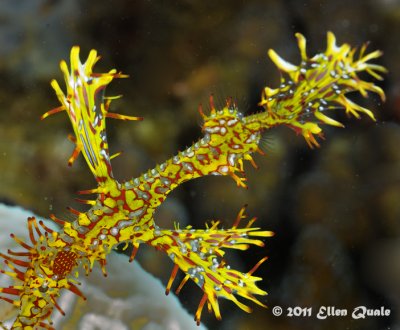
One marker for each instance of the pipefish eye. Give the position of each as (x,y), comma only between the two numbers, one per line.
(43,288)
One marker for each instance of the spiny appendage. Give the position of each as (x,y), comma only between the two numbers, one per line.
(227,142)
(83,241)
(87,108)
(230,141)
(39,273)
(319,84)
(199,253)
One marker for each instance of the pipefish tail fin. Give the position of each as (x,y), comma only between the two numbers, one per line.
(317,86)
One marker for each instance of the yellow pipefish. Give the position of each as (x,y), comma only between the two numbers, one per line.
(123,212)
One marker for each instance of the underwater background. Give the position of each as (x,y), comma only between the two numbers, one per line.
(335,210)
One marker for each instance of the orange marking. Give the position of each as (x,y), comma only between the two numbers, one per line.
(64,262)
